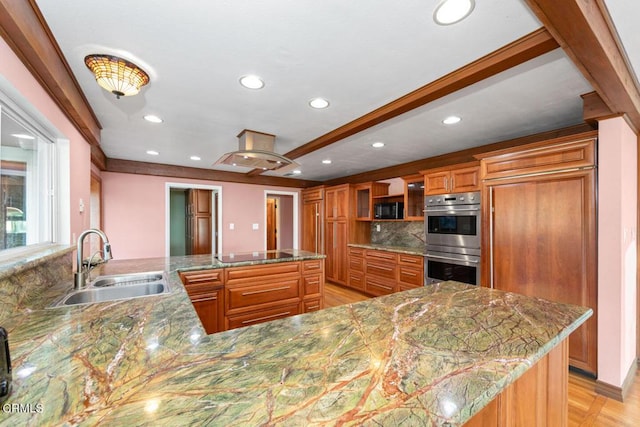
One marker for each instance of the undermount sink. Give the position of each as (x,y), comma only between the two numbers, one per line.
(117,287)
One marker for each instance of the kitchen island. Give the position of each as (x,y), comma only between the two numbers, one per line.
(435,355)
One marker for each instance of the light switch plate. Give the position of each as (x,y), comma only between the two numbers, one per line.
(255,226)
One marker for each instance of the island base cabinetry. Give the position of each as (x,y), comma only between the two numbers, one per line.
(539,398)
(206,291)
(228,298)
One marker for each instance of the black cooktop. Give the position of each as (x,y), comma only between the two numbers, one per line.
(255,256)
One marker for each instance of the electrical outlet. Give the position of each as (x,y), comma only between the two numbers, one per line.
(377,227)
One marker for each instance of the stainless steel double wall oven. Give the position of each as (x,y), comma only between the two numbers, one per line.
(453,234)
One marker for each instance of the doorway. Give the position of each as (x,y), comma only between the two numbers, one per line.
(193,219)
(95,209)
(281,220)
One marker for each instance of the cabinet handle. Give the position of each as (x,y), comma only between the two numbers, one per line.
(316,229)
(244,294)
(389,288)
(313,307)
(204,299)
(446,184)
(244,322)
(380,267)
(406,273)
(453,183)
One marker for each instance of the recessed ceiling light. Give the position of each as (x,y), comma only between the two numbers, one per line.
(451,11)
(319,103)
(252,82)
(451,120)
(153,119)
(327,161)
(152,152)
(196,158)
(377,144)
(23,136)
(297,172)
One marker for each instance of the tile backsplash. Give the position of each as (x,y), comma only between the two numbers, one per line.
(398,233)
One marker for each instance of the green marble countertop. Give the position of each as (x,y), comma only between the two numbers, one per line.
(398,249)
(429,356)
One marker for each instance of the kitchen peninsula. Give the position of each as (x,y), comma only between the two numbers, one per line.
(434,355)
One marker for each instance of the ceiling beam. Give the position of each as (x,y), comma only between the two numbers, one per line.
(515,53)
(584,29)
(25,30)
(158,169)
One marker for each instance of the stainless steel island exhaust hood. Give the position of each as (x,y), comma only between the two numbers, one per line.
(256,151)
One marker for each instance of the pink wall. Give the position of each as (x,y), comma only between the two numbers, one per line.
(617,233)
(80,152)
(135,214)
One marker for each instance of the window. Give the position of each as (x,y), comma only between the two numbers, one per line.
(26,182)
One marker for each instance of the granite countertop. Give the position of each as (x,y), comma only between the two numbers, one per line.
(433,355)
(398,249)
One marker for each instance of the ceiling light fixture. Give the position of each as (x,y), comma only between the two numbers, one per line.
(377,144)
(319,103)
(451,120)
(153,119)
(451,11)
(195,158)
(327,161)
(152,152)
(116,75)
(252,82)
(297,172)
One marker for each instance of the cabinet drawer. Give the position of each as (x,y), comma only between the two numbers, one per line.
(252,318)
(356,251)
(382,255)
(356,281)
(241,296)
(356,264)
(199,289)
(415,260)
(310,305)
(379,287)
(262,270)
(383,270)
(312,266)
(202,276)
(311,284)
(410,276)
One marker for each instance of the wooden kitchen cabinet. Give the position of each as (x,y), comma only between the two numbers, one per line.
(379,272)
(337,202)
(313,219)
(312,285)
(198,218)
(206,291)
(545,193)
(366,195)
(460,179)
(337,217)
(259,293)
(414,197)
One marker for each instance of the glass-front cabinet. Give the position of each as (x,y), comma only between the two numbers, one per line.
(365,195)
(414,197)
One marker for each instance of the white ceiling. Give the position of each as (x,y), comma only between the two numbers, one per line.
(358,55)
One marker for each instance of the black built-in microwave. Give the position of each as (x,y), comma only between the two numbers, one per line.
(388,210)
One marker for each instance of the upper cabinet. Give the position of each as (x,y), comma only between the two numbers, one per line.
(459,179)
(366,196)
(337,202)
(414,197)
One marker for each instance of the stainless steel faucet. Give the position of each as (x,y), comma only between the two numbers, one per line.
(80,277)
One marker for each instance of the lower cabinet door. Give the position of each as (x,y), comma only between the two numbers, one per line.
(209,308)
(264,315)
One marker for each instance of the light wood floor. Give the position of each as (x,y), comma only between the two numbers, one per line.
(586,407)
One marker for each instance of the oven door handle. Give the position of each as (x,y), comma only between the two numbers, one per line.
(453,210)
(452,259)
